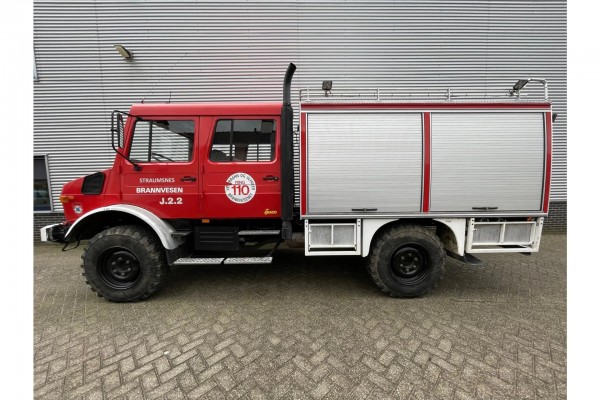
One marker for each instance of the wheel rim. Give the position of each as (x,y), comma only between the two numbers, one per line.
(410,264)
(119,268)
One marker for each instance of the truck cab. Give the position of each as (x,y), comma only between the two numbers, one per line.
(188,164)
(203,161)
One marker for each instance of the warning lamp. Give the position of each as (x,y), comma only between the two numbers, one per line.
(65,199)
(327,87)
(520,84)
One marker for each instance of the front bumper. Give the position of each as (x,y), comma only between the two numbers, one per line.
(54,233)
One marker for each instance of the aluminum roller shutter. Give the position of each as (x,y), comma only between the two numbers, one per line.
(487,160)
(358,161)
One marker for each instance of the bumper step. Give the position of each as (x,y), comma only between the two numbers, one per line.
(218,261)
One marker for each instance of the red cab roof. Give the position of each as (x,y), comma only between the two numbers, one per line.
(185,109)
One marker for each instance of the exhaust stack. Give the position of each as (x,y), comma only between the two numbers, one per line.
(287,156)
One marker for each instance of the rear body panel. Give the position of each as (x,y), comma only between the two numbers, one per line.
(425,159)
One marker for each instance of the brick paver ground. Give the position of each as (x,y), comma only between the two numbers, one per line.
(313,328)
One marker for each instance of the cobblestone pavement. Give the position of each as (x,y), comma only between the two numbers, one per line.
(305,328)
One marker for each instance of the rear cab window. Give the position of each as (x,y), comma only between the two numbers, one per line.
(243,140)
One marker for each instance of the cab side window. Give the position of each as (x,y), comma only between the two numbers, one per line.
(162,141)
(243,140)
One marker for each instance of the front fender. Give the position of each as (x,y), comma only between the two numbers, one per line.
(162,228)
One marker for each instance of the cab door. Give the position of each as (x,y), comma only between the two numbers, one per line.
(168,183)
(241,167)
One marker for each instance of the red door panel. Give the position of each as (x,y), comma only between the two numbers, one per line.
(242,169)
(168,183)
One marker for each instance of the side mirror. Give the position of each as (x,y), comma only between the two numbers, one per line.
(120,130)
(117,126)
(554,115)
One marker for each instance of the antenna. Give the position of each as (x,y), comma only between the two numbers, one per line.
(165,74)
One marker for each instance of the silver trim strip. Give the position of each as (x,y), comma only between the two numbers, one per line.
(422,215)
(343,110)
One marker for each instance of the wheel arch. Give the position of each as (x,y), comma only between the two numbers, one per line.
(99,219)
(451,231)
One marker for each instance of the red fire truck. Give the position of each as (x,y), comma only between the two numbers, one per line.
(402,183)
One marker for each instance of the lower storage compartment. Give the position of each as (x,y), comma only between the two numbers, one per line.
(503,236)
(324,238)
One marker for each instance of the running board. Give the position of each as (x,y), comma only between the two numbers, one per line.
(198,261)
(259,232)
(248,260)
(218,261)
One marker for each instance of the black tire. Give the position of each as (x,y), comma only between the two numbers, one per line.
(125,263)
(407,261)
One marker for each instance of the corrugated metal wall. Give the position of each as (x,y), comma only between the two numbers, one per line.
(211,51)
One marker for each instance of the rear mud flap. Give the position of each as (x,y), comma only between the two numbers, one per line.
(467,259)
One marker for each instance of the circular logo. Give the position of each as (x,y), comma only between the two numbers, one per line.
(240,188)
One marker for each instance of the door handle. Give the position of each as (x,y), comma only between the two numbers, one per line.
(188,179)
(270,178)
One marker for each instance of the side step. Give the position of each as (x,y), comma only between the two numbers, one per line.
(218,261)
(260,232)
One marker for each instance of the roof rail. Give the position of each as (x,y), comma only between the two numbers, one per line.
(381,94)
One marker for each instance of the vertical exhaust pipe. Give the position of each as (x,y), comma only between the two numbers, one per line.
(287,156)
(287,84)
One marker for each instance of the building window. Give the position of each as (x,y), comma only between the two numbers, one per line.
(41,188)
(243,140)
(162,141)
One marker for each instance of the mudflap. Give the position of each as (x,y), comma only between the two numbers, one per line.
(467,259)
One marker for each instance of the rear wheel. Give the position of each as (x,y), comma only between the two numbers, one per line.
(407,261)
(125,263)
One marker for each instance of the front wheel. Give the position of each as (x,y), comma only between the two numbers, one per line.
(407,261)
(125,263)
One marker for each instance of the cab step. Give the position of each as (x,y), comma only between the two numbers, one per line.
(198,261)
(229,260)
(260,232)
(248,260)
